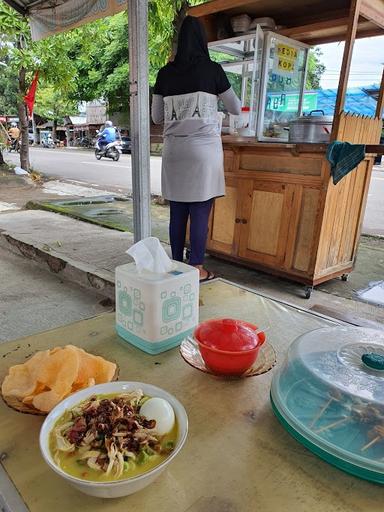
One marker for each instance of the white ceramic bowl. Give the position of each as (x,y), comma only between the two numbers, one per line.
(119,487)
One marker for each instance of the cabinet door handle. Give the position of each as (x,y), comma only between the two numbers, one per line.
(237,221)
(244,221)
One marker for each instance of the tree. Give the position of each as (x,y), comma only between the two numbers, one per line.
(24,57)
(13,28)
(315,69)
(54,105)
(8,91)
(102,68)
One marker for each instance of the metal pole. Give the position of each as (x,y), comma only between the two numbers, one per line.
(139,112)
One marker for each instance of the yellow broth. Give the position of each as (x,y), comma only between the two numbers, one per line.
(68,462)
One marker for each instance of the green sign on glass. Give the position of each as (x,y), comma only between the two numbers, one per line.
(290,102)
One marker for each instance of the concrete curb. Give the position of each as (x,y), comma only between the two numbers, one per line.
(84,275)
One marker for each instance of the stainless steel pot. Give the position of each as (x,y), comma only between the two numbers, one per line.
(311,128)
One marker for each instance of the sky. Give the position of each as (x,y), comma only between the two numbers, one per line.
(367,63)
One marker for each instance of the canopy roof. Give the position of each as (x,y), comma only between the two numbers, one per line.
(48,17)
(310,21)
(25,7)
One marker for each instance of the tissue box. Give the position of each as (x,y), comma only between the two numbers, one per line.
(155,312)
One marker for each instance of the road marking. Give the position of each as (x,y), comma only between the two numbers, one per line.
(98,163)
(54,151)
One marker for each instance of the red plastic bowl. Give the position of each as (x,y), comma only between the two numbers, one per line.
(228,346)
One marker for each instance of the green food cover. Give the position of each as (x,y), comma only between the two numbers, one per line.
(329,394)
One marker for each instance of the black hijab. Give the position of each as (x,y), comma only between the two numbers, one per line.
(192,70)
(192,43)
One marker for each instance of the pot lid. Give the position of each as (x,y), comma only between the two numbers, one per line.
(228,334)
(314,117)
(330,391)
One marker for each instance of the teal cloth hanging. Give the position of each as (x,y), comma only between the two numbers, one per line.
(344,157)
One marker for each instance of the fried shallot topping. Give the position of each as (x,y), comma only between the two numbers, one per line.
(108,433)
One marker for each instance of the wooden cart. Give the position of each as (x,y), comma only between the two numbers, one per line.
(281,213)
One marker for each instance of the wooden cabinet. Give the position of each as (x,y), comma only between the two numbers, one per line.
(224,219)
(288,219)
(266,211)
(268,224)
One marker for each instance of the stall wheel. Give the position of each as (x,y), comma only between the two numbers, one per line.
(308,292)
(344,277)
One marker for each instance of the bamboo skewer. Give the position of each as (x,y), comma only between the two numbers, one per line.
(332,425)
(379,430)
(332,398)
(322,411)
(371,443)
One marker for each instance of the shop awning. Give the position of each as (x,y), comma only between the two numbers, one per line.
(49,17)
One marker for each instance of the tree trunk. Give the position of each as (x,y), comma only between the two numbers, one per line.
(23,119)
(1,158)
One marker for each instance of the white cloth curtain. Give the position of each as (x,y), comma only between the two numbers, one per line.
(70,14)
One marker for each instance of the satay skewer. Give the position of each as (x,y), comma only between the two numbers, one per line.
(332,425)
(371,443)
(379,430)
(322,410)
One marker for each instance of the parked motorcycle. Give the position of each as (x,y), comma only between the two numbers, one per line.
(48,143)
(14,145)
(112,150)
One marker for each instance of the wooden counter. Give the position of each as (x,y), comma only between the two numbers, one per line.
(234,141)
(282,214)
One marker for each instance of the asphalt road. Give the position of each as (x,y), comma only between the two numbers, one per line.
(80,166)
(373,223)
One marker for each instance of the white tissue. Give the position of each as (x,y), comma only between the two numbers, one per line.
(150,255)
(20,171)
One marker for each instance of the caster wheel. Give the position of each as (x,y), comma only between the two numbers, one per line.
(344,277)
(308,292)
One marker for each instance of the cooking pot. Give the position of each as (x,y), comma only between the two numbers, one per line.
(311,128)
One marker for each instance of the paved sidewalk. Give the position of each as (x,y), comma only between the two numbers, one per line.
(87,255)
(77,251)
(33,300)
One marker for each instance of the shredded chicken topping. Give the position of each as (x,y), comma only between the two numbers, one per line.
(108,434)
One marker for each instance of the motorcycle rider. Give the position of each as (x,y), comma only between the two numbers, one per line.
(14,135)
(47,141)
(108,135)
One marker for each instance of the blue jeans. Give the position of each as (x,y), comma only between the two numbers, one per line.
(198,215)
(103,143)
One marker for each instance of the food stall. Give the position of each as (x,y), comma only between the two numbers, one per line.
(236,456)
(282,214)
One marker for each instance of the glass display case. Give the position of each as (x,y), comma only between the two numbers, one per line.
(282,88)
(242,58)
(267,72)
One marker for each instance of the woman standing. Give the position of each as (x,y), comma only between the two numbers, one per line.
(185,99)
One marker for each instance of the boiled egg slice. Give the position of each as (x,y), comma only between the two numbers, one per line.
(160,410)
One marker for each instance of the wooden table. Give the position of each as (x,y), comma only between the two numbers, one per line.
(237,457)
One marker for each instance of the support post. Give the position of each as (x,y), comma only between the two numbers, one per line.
(380,99)
(139,113)
(346,64)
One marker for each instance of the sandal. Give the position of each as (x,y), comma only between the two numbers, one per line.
(209,277)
